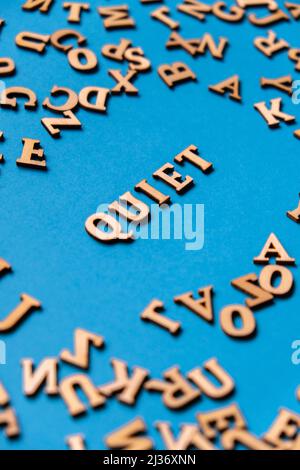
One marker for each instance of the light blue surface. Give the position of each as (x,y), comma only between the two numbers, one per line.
(82,283)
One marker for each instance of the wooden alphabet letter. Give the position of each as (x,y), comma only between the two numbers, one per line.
(68,393)
(270,45)
(83,340)
(176,390)
(92,228)
(209,388)
(42,5)
(174,179)
(231,85)
(218,421)
(295,214)
(190,154)
(150,314)
(7,67)
(162,14)
(128,437)
(116,17)
(71,103)
(101,97)
(273,249)
(274,114)
(178,72)
(126,387)
(75,10)
(194,8)
(45,372)
(202,306)
(248,284)
(26,305)
(227,317)
(33,41)
(54,125)
(32,157)
(189,436)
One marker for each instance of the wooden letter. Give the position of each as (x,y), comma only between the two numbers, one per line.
(207,42)
(208,387)
(176,390)
(75,10)
(128,386)
(232,437)
(68,393)
(116,17)
(273,248)
(281,83)
(189,436)
(152,193)
(295,214)
(162,14)
(42,5)
(116,52)
(62,34)
(8,97)
(101,97)
(294,55)
(194,8)
(231,85)
(178,72)
(75,442)
(136,59)
(7,67)
(294,9)
(54,125)
(227,317)
(26,305)
(128,437)
(83,340)
(202,306)
(174,179)
(190,154)
(91,226)
(274,271)
(141,209)
(277,16)
(32,157)
(219,420)
(284,430)
(248,284)
(189,45)
(235,14)
(123,82)
(33,41)
(270,114)
(89,63)
(150,314)
(46,373)
(4,397)
(71,103)
(270,4)
(9,420)
(271,44)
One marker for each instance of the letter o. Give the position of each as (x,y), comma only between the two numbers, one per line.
(267,275)
(75,59)
(227,321)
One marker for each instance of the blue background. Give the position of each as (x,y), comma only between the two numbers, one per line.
(83,283)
